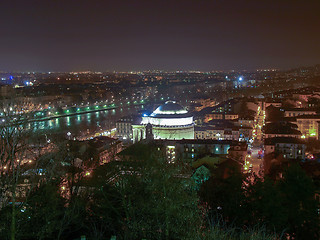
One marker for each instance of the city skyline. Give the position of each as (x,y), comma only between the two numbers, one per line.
(62,36)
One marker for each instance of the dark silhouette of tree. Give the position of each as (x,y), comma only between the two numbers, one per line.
(160,202)
(104,210)
(43,212)
(18,170)
(286,205)
(300,205)
(226,197)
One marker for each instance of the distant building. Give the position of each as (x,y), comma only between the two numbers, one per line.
(218,133)
(6,91)
(281,129)
(288,147)
(124,126)
(271,102)
(245,133)
(238,152)
(246,121)
(308,125)
(106,148)
(217,115)
(190,149)
(294,112)
(199,103)
(96,151)
(168,121)
(305,96)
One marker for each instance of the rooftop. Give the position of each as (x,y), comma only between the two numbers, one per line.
(170,107)
(273,141)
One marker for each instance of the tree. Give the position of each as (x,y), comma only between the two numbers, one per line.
(160,202)
(18,172)
(265,201)
(104,210)
(68,203)
(298,193)
(44,210)
(285,205)
(225,197)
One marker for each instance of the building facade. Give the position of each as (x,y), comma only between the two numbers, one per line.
(168,121)
(124,126)
(288,147)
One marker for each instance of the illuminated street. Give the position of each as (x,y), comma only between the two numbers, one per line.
(254,160)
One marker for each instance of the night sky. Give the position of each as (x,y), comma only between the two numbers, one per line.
(76,35)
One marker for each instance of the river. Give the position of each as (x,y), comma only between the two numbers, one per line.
(83,125)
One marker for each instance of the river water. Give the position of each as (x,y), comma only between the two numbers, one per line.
(86,124)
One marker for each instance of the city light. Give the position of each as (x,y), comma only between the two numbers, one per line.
(123,151)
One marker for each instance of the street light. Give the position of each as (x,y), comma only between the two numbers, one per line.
(69,135)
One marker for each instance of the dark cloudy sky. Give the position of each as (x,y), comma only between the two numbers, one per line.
(74,35)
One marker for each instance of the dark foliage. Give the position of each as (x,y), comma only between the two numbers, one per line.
(285,206)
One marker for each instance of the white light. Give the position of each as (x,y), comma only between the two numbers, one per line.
(158,111)
(240,78)
(167,121)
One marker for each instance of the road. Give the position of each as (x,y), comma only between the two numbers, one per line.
(253,161)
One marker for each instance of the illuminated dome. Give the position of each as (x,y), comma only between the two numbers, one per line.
(168,121)
(169,114)
(170,107)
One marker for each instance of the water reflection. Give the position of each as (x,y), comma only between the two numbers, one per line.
(68,121)
(85,123)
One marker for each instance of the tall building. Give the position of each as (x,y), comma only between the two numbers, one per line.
(308,125)
(124,126)
(168,121)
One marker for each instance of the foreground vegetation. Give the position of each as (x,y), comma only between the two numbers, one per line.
(144,197)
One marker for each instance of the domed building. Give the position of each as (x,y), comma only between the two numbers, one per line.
(168,121)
